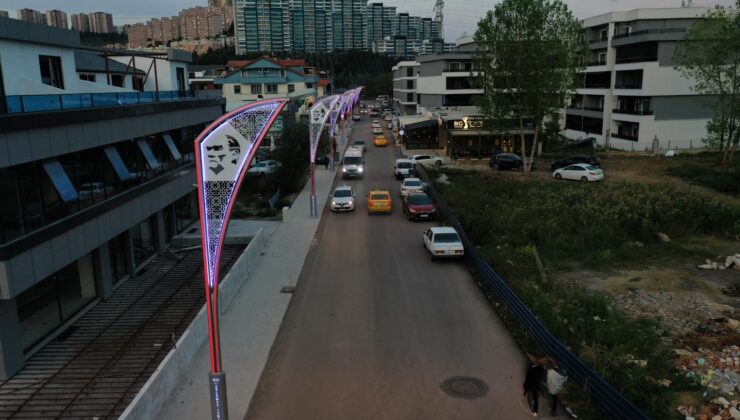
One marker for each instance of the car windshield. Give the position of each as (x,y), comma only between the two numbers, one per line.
(446,238)
(342,193)
(352,160)
(379,197)
(591,168)
(261,164)
(419,200)
(412,183)
(404,165)
(359,143)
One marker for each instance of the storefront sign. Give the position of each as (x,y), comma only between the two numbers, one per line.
(466,123)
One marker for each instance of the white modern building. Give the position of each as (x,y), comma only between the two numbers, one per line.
(404,87)
(631,93)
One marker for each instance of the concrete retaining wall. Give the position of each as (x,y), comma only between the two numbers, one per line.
(163,381)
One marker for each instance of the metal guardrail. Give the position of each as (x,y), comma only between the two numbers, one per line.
(611,403)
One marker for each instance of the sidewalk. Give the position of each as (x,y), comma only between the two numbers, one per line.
(252,320)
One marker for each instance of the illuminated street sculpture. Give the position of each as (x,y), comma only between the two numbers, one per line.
(222,155)
(319,114)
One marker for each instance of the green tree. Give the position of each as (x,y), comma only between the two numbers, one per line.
(529,54)
(293,154)
(709,55)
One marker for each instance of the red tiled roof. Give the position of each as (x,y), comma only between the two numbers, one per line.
(237,64)
(323,82)
(292,63)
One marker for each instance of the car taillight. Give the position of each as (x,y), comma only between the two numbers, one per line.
(592,173)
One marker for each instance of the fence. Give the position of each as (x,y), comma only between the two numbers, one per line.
(16,104)
(611,403)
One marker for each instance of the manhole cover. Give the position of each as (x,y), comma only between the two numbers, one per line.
(464,387)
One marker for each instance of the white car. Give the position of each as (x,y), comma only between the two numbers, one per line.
(579,172)
(411,185)
(377,130)
(375,124)
(443,242)
(265,167)
(426,160)
(356,117)
(343,199)
(376,121)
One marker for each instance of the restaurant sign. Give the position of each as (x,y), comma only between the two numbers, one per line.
(466,123)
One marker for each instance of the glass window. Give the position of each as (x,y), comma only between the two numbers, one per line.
(51,71)
(255,89)
(412,184)
(76,285)
(186,211)
(446,238)
(87,76)
(11,220)
(273,89)
(116,80)
(419,199)
(291,88)
(142,239)
(237,89)
(342,193)
(117,252)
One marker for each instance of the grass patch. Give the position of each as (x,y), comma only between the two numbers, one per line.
(724,179)
(597,226)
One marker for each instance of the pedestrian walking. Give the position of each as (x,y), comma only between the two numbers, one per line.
(556,378)
(326,162)
(532,382)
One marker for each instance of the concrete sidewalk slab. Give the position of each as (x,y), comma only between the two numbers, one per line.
(251,323)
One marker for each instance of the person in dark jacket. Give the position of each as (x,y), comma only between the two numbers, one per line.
(532,383)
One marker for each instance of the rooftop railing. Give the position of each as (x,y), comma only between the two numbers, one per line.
(18,104)
(649,31)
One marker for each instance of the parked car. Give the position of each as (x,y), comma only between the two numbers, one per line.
(361,144)
(355,117)
(377,130)
(579,172)
(572,160)
(265,167)
(418,205)
(443,241)
(403,168)
(343,199)
(507,161)
(379,201)
(426,160)
(409,185)
(381,141)
(375,123)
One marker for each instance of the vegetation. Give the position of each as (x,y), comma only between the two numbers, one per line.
(93,39)
(347,69)
(709,55)
(529,55)
(724,179)
(598,226)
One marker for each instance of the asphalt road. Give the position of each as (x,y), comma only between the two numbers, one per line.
(375,327)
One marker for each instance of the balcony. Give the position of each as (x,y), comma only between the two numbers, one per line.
(650,31)
(586,108)
(632,111)
(597,63)
(19,104)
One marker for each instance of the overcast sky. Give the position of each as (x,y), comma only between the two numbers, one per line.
(459,15)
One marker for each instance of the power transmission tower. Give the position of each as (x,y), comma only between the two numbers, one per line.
(439,17)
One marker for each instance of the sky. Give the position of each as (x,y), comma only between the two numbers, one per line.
(460,16)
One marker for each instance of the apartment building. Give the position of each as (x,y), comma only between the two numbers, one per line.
(404,87)
(31,15)
(101,23)
(80,22)
(56,18)
(265,78)
(96,171)
(631,94)
(4,13)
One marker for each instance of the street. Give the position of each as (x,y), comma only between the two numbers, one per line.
(375,327)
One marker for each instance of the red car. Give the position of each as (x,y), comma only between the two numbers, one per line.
(418,205)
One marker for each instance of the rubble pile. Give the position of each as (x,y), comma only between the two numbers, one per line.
(717,370)
(680,314)
(732,261)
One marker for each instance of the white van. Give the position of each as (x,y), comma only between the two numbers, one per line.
(353,165)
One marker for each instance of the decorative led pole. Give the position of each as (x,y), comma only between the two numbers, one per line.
(335,115)
(222,154)
(319,114)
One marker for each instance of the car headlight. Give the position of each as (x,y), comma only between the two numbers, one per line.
(344,169)
(333,203)
(359,170)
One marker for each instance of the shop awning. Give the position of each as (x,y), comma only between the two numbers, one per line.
(469,133)
(420,124)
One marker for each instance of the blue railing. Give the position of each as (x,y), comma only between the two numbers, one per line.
(612,404)
(17,104)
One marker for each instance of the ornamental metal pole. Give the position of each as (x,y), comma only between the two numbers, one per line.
(222,155)
(319,113)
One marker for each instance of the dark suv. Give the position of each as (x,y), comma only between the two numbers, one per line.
(508,161)
(562,163)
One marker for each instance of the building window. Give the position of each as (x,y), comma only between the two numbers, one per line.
(282,72)
(454,66)
(237,89)
(409,72)
(271,89)
(138,83)
(255,89)
(409,84)
(142,239)
(409,97)
(418,99)
(117,254)
(454,83)
(51,71)
(309,85)
(87,76)
(291,88)
(116,80)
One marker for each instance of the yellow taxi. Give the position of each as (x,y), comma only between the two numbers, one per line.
(379,201)
(381,141)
